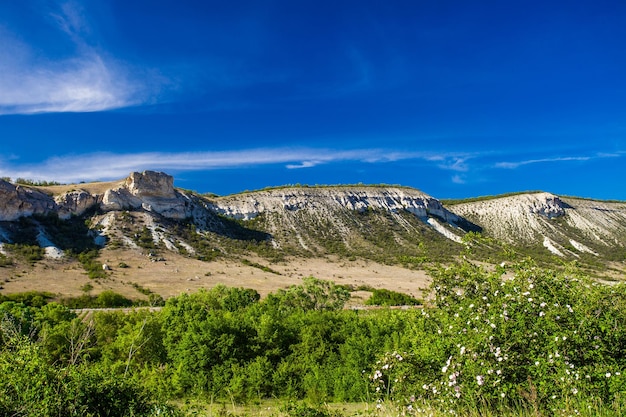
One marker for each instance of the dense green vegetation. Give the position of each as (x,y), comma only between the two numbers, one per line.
(383,297)
(538,341)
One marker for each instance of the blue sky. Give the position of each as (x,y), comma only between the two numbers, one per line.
(455,98)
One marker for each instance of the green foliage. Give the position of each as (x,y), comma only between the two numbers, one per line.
(5,261)
(259,266)
(29,253)
(202,246)
(29,298)
(72,235)
(314,294)
(40,183)
(305,410)
(144,239)
(106,299)
(539,338)
(88,260)
(383,297)
(32,386)
(517,338)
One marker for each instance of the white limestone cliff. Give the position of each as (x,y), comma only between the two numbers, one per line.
(519,217)
(392,199)
(17,201)
(151,191)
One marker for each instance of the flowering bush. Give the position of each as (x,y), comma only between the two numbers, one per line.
(519,335)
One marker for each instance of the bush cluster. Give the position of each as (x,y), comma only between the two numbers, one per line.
(516,338)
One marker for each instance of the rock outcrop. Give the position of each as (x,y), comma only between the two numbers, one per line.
(151,191)
(392,199)
(335,203)
(75,202)
(17,201)
(514,218)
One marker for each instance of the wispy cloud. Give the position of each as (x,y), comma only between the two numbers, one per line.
(88,80)
(304,164)
(458,179)
(517,164)
(107,166)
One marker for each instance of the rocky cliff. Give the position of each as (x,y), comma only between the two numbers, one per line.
(361,219)
(150,191)
(17,201)
(359,199)
(564,226)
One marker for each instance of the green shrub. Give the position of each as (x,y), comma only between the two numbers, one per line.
(383,297)
(106,299)
(537,338)
(30,253)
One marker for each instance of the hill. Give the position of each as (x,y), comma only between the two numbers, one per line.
(142,235)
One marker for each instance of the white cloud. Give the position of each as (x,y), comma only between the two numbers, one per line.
(304,164)
(458,179)
(87,80)
(514,165)
(108,166)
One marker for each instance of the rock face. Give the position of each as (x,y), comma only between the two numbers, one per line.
(514,218)
(334,206)
(150,190)
(308,215)
(151,184)
(558,224)
(17,201)
(75,203)
(248,206)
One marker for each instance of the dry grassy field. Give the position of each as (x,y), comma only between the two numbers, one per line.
(177,274)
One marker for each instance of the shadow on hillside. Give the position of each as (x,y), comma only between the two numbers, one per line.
(235,230)
(468,226)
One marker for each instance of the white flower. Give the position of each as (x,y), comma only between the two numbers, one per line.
(462,350)
(480,379)
(608,375)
